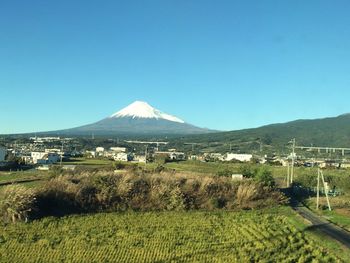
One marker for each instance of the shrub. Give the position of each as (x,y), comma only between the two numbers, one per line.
(143,191)
(176,200)
(264,176)
(246,193)
(16,202)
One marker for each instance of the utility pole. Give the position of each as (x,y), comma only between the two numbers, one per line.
(288,171)
(146,154)
(61,154)
(318,189)
(320,174)
(293,161)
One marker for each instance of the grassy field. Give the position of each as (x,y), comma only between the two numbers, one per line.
(276,235)
(88,161)
(35,178)
(162,237)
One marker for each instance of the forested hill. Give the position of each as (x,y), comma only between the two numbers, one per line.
(333,132)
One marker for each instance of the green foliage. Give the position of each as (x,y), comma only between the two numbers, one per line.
(328,131)
(161,237)
(260,174)
(264,176)
(225,173)
(247,170)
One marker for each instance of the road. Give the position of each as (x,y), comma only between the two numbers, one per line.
(323,225)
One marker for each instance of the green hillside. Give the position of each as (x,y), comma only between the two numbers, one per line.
(334,132)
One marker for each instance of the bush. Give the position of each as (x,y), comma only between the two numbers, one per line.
(246,193)
(264,176)
(225,173)
(143,191)
(260,174)
(16,202)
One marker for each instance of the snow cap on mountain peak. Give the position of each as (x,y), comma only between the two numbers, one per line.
(141,109)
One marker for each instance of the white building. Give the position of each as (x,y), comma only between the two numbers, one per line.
(237,177)
(44,157)
(118,149)
(140,158)
(122,157)
(90,154)
(100,149)
(238,157)
(2,154)
(175,156)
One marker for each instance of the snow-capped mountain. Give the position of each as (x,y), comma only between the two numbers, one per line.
(138,118)
(141,109)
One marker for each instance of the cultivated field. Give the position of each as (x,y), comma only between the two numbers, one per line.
(161,237)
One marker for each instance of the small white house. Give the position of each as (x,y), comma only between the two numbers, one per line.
(90,154)
(2,154)
(237,176)
(100,149)
(140,158)
(238,157)
(122,157)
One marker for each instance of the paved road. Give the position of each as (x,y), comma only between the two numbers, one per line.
(323,225)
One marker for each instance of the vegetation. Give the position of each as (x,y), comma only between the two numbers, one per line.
(254,236)
(15,203)
(274,138)
(142,190)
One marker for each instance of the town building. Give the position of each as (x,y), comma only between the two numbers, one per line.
(44,158)
(140,158)
(118,149)
(174,156)
(238,157)
(100,149)
(122,157)
(2,154)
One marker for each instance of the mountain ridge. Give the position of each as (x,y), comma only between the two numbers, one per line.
(325,132)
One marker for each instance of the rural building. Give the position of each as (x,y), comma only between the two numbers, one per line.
(2,154)
(44,158)
(213,156)
(345,165)
(118,149)
(193,157)
(90,154)
(174,156)
(140,158)
(100,149)
(237,177)
(122,157)
(238,157)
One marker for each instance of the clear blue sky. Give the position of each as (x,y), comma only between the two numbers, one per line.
(219,64)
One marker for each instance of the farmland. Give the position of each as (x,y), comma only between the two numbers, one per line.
(186,225)
(161,237)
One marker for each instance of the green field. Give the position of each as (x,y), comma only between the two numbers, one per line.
(88,162)
(35,178)
(161,237)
